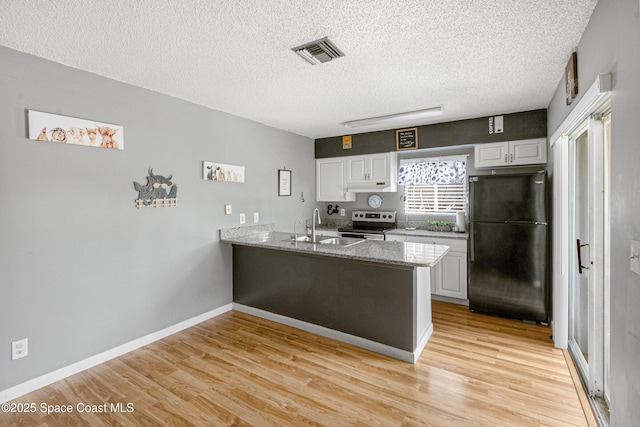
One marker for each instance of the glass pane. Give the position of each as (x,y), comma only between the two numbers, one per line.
(579,290)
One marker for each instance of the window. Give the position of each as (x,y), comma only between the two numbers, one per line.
(434,185)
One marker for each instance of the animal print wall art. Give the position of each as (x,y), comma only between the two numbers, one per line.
(213,171)
(71,130)
(159,191)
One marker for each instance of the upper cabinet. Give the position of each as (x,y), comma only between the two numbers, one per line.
(372,172)
(331,180)
(511,153)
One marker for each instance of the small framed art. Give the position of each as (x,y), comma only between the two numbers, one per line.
(284,182)
(407,139)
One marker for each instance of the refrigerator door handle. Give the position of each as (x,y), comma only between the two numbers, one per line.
(579,248)
(472,248)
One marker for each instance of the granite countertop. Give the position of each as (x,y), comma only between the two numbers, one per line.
(427,233)
(386,252)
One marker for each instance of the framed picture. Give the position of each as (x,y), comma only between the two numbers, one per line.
(284,182)
(214,171)
(71,130)
(407,139)
(571,78)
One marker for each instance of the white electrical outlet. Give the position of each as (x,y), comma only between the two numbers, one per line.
(242,220)
(256,217)
(342,212)
(634,257)
(19,349)
(227,209)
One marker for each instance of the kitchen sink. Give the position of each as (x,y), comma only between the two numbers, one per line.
(306,239)
(341,241)
(333,241)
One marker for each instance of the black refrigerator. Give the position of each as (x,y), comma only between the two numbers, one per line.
(509,245)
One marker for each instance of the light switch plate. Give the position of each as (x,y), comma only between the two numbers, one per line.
(634,257)
(227,209)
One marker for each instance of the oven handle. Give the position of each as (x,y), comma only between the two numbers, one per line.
(363,236)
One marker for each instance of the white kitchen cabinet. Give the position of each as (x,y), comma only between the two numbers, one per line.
(331,183)
(511,153)
(372,172)
(449,276)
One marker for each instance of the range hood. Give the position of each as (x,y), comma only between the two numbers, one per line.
(385,186)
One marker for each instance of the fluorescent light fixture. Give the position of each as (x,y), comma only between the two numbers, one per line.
(395,118)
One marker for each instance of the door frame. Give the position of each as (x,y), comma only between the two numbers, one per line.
(596,95)
(593,371)
(593,101)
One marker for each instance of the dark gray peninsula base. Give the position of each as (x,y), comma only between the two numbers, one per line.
(376,295)
(372,301)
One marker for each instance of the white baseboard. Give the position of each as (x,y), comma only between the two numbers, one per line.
(62,373)
(423,342)
(396,353)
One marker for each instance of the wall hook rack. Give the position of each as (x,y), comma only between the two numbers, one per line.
(154,194)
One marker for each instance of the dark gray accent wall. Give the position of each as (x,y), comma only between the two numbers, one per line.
(523,125)
(81,269)
(611,44)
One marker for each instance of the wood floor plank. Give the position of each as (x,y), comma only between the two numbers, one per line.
(237,369)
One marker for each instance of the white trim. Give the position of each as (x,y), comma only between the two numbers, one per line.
(600,87)
(560,324)
(590,101)
(387,350)
(596,241)
(62,373)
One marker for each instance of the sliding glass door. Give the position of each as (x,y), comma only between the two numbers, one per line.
(579,277)
(588,265)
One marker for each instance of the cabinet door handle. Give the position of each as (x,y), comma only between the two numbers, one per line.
(511,158)
(505,159)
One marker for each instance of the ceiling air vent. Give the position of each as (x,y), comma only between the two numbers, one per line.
(318,51)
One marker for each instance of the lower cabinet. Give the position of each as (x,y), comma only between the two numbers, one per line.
(449,276)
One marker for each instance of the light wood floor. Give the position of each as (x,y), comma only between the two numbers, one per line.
(236,369)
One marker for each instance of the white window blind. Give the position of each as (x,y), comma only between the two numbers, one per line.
(435,198)
(434,185)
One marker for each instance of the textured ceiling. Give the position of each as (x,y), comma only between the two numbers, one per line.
(474,58)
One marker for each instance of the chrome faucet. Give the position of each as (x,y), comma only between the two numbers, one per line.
(316,212)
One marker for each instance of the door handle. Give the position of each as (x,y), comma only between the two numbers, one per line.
(472,246)
(579,247)
(506,159)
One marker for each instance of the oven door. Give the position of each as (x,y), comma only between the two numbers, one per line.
(357,235)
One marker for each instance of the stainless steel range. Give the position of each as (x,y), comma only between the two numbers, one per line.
(369,225)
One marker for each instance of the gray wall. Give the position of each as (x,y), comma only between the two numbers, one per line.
(611,44)
(81,269)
